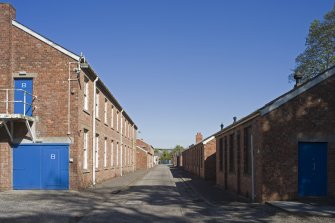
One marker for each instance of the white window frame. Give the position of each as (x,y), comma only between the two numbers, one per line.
(128,130)
(112,153)
(117,153)
(106,110)
(125,128)
(97,104)
(117,121)
(97,151)
(112,117)
(86,93)
(105,153)
(85,155)
(128,155)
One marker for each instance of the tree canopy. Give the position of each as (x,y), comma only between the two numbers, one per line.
(319,53)
(177,150)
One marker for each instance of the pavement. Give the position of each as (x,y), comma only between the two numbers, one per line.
(162,194)
(302,208)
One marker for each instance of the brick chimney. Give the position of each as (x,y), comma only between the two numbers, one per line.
(7,14)
(198,137)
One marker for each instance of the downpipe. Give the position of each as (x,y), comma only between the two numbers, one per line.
(121,152)
(94,129)
(77,70)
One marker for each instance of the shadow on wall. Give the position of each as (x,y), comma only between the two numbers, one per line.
(306,118)
(210,168)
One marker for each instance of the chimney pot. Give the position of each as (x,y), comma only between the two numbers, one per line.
(221,126)
(297,77)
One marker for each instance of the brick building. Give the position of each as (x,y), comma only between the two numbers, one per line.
(144,155)
(284,150)
(60,126)
(200,159)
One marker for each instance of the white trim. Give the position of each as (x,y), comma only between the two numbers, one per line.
(45,40)
(142,149)
(282,100)
(208,140)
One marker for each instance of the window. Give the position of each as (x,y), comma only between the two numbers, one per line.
(125,155)
(85,158)
(112,117)
(117,154)
(247,150)
(97,151)
(86,93)
(106,109)
(112,153)
(97,104)
(105,153)
(128,130)
(221,154)
(231,154)
(117,121)
(128,155)
(125,127)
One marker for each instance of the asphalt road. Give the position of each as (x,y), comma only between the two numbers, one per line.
(160,195)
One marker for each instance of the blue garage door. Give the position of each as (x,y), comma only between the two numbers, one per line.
(41,166)
(312,169)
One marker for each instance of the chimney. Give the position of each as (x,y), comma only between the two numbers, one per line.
(198,137)
(234,118)
(297,77)
(7,14)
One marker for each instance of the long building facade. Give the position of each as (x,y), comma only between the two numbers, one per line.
(200,158)
(60,126)
(284,150)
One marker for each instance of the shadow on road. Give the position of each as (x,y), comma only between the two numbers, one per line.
(157,197)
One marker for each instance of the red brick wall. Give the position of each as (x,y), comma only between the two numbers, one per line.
(209,162)
(200,160)
(245,188)
(307,118)
(23,52)
(141,159)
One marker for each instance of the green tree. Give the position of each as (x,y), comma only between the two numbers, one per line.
(177,150)
(165,156)
(319,54)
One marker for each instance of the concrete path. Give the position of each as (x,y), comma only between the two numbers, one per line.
(304,209)
(162,194)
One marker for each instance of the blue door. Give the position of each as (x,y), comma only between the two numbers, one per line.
(20,107)
(41,166)
(312,166)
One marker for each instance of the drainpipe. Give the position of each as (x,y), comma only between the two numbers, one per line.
(121,152)
(252,170)
(93,132)
(69,95)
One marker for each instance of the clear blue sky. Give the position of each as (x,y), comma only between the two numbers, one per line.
(182,66)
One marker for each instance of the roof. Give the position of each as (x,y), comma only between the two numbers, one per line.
(141,144)
(76,58)
(205,141)
(283,99)
(45,40)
